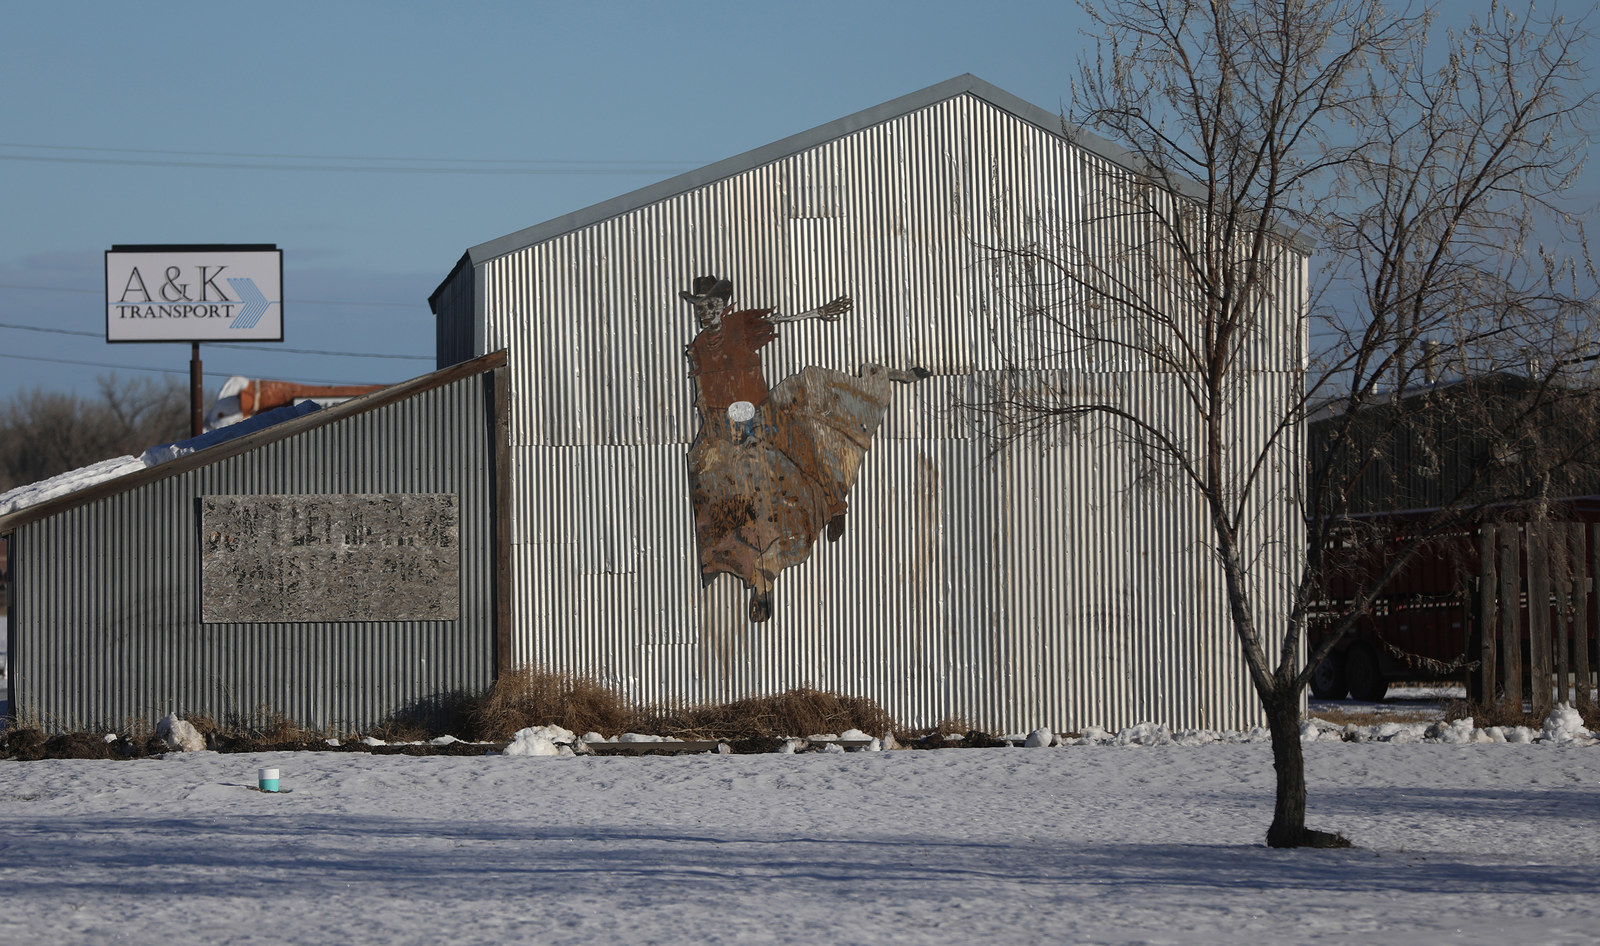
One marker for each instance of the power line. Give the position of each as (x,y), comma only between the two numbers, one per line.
(52,331)
(312,351)
(290,301)
(363,169)
(7,285)
(650,164)
(257,347)
(173,371)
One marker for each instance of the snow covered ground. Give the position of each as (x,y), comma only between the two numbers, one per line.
(1475,843)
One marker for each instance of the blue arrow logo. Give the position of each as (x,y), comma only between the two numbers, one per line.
(255,304)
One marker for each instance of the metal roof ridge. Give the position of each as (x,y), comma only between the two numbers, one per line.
(967,83)
(232,448)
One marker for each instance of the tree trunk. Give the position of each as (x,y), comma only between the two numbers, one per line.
(1289,814)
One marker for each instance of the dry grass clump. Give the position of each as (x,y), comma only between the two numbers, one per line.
(28,743)
(802,711)
(1368,715)
(444,714)
(265,728)
(535,697)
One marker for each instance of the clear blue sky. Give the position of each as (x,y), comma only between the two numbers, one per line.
(186,123)
(274,122)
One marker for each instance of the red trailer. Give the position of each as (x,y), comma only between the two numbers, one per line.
(1458,608)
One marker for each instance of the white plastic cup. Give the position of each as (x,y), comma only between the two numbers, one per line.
(267,779)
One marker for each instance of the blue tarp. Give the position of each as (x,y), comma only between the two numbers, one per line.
(170,451)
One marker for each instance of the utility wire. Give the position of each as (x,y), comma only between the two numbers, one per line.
(256,347)
(172,371)
(52,331)
(650,164)
(382,305)
(269,347)
(363,169)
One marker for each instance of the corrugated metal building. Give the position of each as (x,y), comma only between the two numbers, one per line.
(333,569)
(1013,589)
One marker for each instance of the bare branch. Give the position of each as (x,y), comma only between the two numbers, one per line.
(1436,193)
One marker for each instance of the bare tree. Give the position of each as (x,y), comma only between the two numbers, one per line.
(43,433)
(1257,128)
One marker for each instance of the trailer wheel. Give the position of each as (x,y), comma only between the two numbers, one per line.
(1361,671)
(1327,680)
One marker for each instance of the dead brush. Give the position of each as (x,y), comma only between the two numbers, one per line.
(1512,713)
(534,697)
(518,700)
(938,737)
(22,741)
(446,714)
(1367,715)
(803,711)
(264,728)
(277,729)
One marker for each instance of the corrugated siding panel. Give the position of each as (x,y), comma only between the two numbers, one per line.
(455,318)
(108,594)
(1032,587)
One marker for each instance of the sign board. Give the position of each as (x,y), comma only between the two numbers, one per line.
(361,557)
(192,293)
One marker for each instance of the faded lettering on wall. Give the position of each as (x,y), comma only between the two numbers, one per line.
(363,557)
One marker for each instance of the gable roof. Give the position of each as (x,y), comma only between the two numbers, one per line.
(252,441)
(822,134)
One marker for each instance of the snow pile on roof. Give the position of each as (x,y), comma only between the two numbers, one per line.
(69,482)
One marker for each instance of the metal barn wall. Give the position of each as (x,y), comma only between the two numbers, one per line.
(1029,587)
(107,626)
(454,305)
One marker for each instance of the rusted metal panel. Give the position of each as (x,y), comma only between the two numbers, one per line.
(1060,586)
(771,468)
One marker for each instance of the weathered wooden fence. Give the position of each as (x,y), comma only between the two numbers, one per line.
(1543,654)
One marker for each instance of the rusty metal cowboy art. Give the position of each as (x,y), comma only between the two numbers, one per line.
(771,469)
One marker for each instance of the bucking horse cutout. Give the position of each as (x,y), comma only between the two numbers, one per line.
(770,470)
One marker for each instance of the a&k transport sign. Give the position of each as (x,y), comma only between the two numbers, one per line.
(192,293)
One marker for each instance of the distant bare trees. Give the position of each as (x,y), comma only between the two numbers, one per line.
(43,433)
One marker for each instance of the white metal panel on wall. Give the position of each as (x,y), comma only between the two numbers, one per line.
(1033,586)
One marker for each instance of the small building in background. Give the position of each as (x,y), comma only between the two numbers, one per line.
(1039,585)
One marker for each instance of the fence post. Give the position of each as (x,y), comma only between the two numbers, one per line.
(1539,618)
(1481,683)
(1580,639)
(1561,569)
(1511,613)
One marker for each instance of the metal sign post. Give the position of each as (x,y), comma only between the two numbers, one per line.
(197,393)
